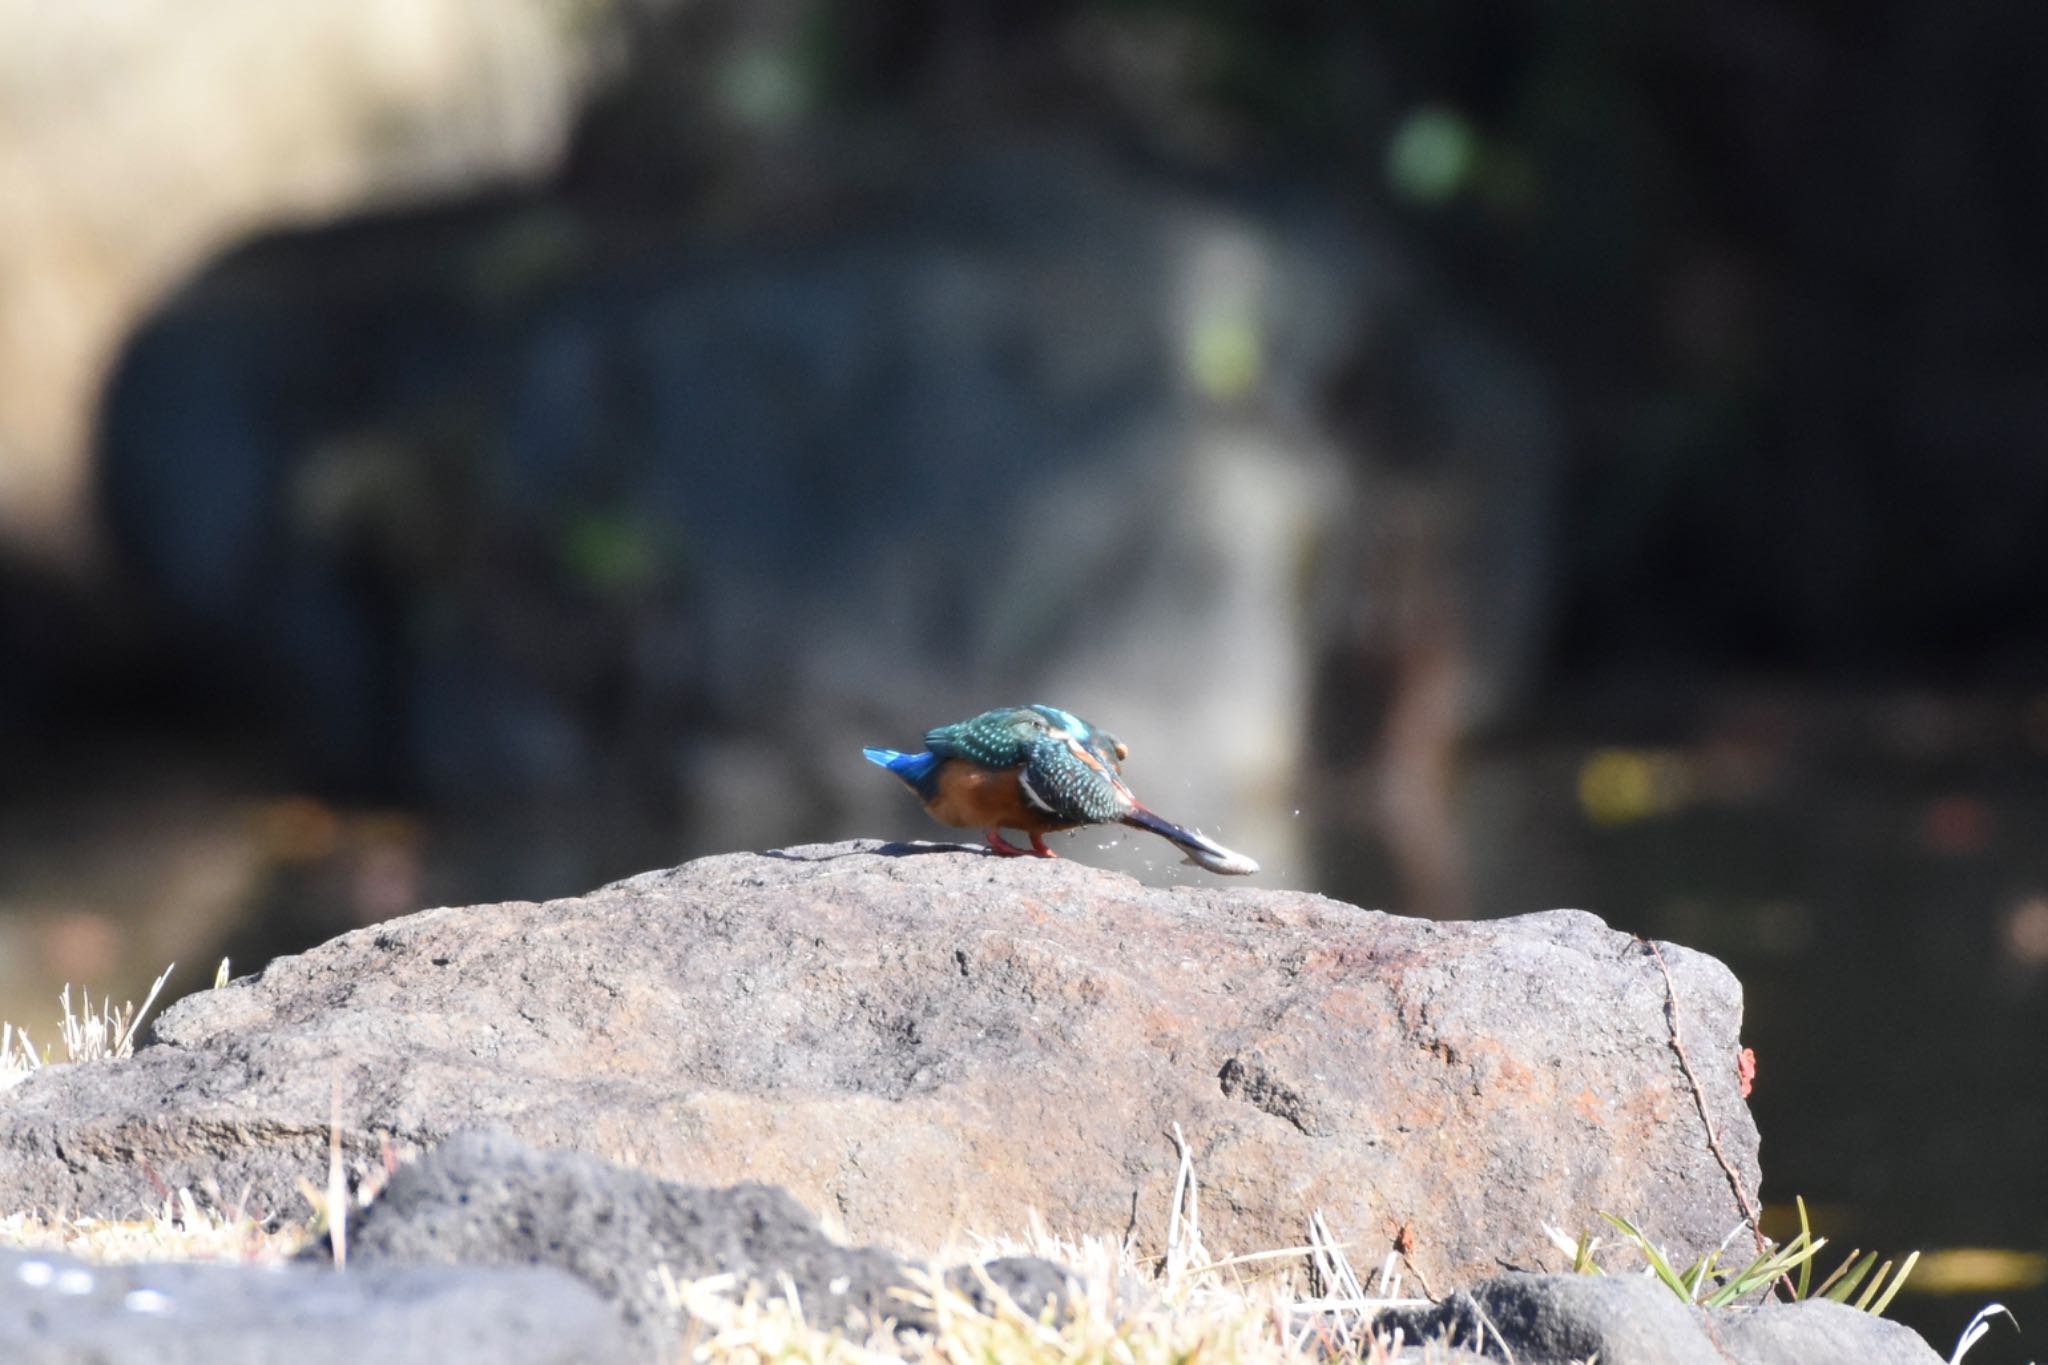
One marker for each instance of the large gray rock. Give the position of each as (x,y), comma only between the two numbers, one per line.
(1819,1333)
(55,1310)
(1632,1320)
(923,1041)
(484,1199)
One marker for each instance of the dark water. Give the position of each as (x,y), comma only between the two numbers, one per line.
(1877,877)
(1873,871)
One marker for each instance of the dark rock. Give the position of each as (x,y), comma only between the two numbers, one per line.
(1558,1318)
(1030,1282)
(484,1199)
(1817,1332)
(924,1046)
(55,1310)
(1634,1320)
(352,479)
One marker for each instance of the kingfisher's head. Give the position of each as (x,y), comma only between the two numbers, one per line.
(1105,746)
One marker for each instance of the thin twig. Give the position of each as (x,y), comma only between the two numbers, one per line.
(1699,1096)
(1428,1290)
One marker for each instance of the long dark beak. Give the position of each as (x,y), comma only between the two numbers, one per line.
(1200,848)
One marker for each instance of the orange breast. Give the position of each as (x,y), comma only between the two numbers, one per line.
(970,797)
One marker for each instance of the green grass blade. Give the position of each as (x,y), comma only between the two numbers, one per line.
(1884,1300)
(1765,1269)
(1582,1259)
(1696,1274)
(1806,1266)
(1650,1253)
(1840,1270)
(1842,1285)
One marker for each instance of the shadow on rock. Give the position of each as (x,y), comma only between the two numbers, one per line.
(485,1199)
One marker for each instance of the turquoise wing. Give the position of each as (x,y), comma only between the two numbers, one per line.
(994,739)
(1074,781)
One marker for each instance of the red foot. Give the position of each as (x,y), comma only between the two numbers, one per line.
(1745,1069)
(997,844)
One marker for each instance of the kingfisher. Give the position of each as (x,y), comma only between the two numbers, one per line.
(1037,769)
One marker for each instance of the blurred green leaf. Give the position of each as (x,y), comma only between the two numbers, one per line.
(1432,155)
(609,553)
(1226,355)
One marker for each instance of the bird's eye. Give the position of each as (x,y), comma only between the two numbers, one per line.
(1123,750)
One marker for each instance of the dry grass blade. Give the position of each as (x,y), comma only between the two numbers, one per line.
(1977,1328)
(1214,1324)
(337,1184)
(179,1229)
(1333,1272)
(1341,1311)
(88,1035)
(1184,1222)
(18,1060)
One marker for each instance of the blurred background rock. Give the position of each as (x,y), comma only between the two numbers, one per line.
(1481,457)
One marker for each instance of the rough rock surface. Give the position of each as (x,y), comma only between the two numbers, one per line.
(55,1310)
(1631,1320)
(483,1199)
(924,1041)
(1820,1333)
(1617,1320)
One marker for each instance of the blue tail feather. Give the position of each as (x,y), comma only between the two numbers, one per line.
(912,768)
